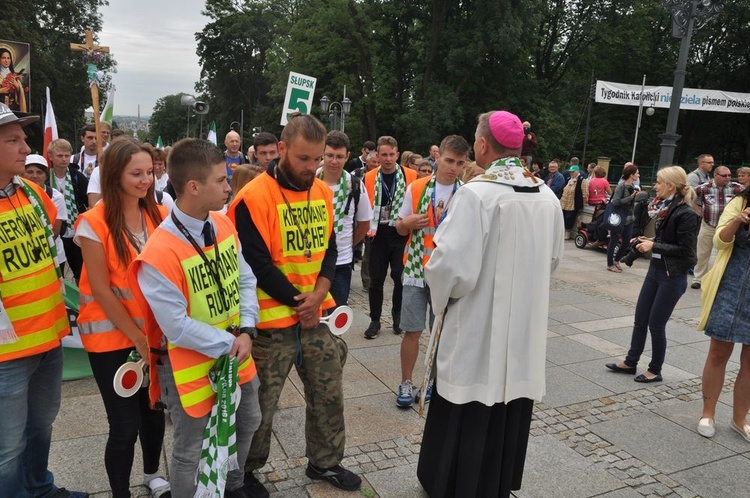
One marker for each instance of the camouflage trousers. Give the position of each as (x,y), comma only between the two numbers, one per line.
(322,362)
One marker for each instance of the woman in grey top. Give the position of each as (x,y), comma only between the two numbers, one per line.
(624,196)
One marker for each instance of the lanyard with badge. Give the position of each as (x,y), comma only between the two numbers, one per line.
(213,269)
(438,219)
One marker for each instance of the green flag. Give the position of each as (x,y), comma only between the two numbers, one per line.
(159,143)
(109,107)
(212,133)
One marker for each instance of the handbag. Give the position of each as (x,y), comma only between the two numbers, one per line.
(615,217)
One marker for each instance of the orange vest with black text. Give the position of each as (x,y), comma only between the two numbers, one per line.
(373,175)
(98,333)
(29,286)
(417,188)
(276,225)
(177,260)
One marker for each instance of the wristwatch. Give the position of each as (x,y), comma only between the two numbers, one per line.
(251,331)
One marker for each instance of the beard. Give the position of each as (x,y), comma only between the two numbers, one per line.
(303,180)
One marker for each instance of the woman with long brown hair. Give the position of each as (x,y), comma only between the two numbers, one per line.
(111,234)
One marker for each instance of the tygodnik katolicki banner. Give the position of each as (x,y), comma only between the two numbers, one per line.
(693,99)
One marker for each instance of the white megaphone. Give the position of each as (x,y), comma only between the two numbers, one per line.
(339,321)
(129,378)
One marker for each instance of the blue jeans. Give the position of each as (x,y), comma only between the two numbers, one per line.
(658,297)
(29,402)
(627,234)
(342,283)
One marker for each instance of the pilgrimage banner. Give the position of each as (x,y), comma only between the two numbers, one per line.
(299,95)
(693,99)
(14,75)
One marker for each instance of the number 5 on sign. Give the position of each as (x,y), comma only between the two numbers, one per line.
(299,95)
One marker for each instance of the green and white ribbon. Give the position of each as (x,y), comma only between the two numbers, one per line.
(338,202)
(8,335)
(413,270)
(70,199)
(397,198)
(219,450)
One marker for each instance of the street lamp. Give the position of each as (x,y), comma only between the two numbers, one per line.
(685,15)
(329,113)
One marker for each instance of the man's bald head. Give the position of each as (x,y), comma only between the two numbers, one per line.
(232,142)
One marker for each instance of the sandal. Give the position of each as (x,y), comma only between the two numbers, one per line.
(158,485)
(614,268)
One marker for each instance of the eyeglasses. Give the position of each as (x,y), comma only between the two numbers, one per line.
(426,171)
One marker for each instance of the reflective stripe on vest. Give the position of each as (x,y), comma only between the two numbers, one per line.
(178,262)
(29,286)
(277,226)
(98,333)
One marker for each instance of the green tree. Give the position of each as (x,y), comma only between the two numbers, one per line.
(170,120)
(50,27)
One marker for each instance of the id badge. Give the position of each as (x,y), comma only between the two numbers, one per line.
(385,215)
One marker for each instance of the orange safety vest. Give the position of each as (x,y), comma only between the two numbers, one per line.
(417,188)
(276,226)
(29,286)
(98,333)
(176,259)
(371,176)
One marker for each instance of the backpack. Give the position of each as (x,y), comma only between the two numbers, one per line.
(355,193)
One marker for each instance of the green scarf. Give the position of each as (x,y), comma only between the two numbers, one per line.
(219,450)
(415,249)
(70,199)
(338,203)
(397,199)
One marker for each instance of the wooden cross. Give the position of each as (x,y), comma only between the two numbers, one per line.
(91,47)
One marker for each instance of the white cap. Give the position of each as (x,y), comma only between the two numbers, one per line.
(37,160)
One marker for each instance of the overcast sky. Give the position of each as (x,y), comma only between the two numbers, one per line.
(154,45)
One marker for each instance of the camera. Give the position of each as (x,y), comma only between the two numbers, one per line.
(632,254)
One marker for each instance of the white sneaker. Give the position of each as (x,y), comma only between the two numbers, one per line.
(706,427)
(744,432)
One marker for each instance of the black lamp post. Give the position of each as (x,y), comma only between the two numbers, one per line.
(330,113)
(685,15)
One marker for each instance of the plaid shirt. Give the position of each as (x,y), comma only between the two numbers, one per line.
(713,199)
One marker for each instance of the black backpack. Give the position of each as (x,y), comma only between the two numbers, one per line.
(354,195)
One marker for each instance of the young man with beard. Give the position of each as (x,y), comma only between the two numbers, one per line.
(386,187)
(351,211)
(426,204)
(285,221)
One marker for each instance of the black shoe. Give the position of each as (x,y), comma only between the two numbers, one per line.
(338,476)
(373,330)
(396,324)
(236,493)
(616,368)
(253,488)
(645,380)
(695,285)
(64,493)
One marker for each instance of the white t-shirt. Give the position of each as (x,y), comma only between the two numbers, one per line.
(345,239)
(443,195)
(62,214)
(95,184)
(161,183)
(84,230)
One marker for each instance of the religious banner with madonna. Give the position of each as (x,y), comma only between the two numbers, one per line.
(15,82)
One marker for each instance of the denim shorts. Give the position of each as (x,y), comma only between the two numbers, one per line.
(414,307)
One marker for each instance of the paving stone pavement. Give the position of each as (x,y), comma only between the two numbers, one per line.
(596,433)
